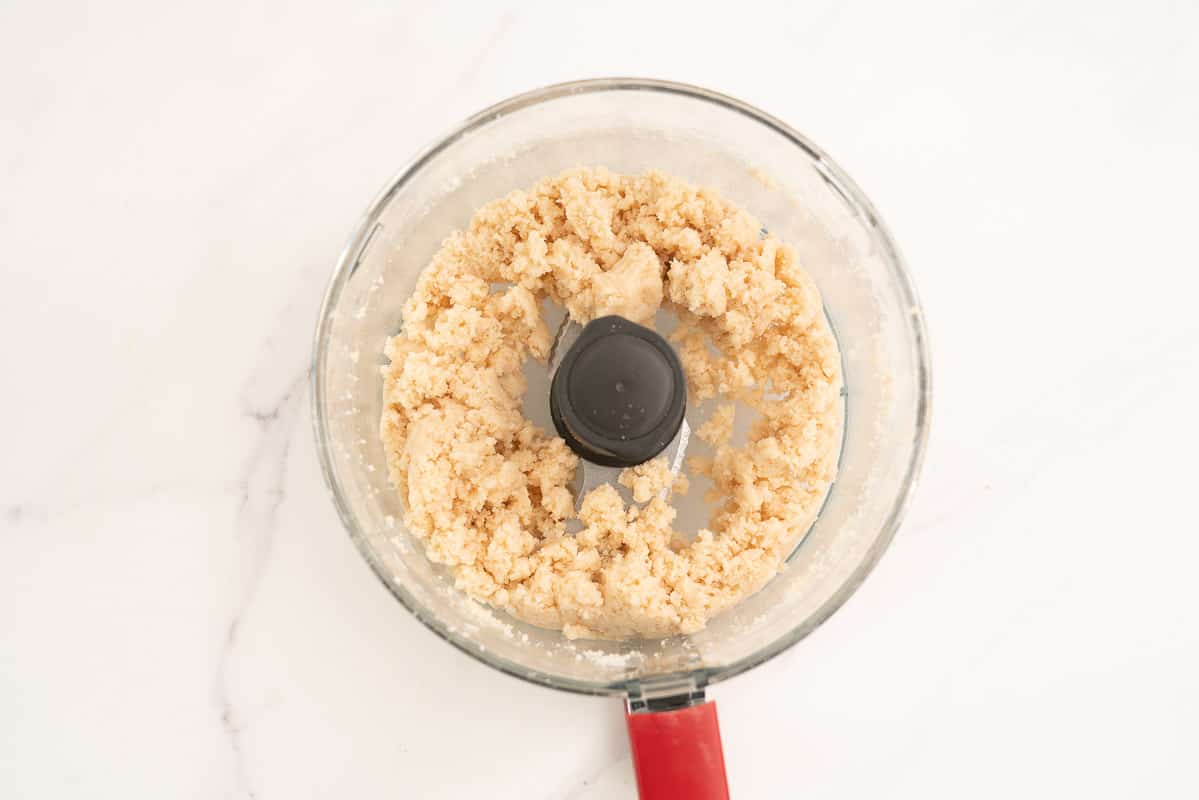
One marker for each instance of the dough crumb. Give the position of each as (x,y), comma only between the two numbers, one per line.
(718,430)
(631,289)
(700,285)
(646,480)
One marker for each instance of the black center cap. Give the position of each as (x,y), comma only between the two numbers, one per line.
(619,396)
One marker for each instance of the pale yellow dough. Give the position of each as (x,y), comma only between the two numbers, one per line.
(486,490)
(646,480)
(718,430)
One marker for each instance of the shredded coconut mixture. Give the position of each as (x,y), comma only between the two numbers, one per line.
(487,491)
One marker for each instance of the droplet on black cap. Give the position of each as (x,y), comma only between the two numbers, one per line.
(619,395)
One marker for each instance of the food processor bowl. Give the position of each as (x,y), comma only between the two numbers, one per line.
(758,163)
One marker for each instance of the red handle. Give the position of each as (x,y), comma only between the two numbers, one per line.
(677,754)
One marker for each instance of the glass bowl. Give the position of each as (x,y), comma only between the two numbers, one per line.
(759,163)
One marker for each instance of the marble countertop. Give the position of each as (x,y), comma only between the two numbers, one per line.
(181,614)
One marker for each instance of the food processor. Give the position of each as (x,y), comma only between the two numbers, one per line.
(758,163)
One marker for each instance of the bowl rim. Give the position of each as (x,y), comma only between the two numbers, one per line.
(837,178)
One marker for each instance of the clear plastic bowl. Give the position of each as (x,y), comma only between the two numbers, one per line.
(631,125)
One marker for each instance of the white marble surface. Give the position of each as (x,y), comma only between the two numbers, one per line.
(181,614)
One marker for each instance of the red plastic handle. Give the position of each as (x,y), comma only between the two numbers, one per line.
(677,754)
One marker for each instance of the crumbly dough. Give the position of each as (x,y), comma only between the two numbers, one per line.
(718,430)
(486,490)
(647,479)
